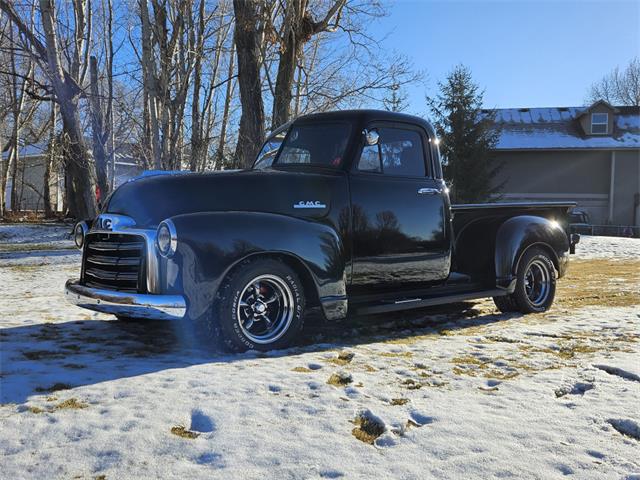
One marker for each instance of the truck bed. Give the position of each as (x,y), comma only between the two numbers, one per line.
(524,206)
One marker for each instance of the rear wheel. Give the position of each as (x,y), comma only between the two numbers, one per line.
(535,284)
(260,306)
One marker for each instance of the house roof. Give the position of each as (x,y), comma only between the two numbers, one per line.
(35,150)
(558,128)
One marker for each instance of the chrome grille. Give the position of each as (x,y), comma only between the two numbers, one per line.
(114,261)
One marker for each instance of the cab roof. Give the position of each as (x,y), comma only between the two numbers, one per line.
(362,118)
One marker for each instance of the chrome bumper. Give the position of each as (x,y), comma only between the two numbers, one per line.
(151,306)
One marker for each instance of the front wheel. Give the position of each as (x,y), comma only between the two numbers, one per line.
(535,284)
(260,306)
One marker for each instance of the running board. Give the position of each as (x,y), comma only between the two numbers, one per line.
(407,303)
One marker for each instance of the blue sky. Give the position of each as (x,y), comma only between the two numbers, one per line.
(523,53)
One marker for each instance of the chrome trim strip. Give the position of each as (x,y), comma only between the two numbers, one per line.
(154,307)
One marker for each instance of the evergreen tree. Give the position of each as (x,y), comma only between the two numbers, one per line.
(468,136)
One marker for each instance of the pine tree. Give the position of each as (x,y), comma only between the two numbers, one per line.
(468,136)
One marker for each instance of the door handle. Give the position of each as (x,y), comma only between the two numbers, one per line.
(429,191)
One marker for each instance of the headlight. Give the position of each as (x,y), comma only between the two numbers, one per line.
(166,238)
(79,232)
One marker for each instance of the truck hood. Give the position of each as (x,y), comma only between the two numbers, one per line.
(149,200)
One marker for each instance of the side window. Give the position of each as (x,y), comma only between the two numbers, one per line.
(399,152)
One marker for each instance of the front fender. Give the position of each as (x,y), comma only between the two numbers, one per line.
(518,234)
(211,244)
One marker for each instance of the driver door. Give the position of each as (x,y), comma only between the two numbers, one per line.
(399,213)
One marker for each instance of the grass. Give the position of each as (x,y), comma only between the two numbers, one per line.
(340,379)
(182,432)
(301,369)
(411,384)
(56,387)
(399,401)
(396,354)
(70,404)
(367,429)
(587,283)
(74,366)
(343,358)
(43,355)
(31,247)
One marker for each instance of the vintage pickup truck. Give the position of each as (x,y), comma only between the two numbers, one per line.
(346,211)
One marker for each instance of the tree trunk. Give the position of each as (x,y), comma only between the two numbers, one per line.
(150,87)
(97,127)
(251,131)
(82,201)
(219,160)
(50,162)
(295,29)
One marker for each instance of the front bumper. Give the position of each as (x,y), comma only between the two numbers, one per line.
(153,307)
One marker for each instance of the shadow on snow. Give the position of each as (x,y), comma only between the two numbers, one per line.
(40,358)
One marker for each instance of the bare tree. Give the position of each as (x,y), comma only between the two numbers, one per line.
(620,87)
(226,111)
(298,27)
(65,88)
(248,30)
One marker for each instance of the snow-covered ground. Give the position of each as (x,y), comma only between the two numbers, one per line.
(618,248)
(455,392)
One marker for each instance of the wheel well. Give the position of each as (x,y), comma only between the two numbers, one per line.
(543,246)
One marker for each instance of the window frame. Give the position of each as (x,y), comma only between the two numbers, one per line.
(605,123)
(424,140)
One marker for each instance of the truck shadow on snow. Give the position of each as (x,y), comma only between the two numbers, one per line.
(42,358)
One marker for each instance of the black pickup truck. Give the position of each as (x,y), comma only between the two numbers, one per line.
(347,211)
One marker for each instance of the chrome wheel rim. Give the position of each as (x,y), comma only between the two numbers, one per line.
(265,309)
(537,282)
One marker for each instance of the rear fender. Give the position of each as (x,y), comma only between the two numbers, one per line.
(516,235)
(211,244)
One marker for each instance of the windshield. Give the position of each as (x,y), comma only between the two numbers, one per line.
(314,144)
(269,150)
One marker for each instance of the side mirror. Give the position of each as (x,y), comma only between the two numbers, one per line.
(371,137)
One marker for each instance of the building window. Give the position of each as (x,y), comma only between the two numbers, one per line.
(599,123)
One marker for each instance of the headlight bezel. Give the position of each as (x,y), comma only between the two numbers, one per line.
(166,239)
(79,233)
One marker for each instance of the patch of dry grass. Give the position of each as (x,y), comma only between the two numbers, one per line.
(70,404)
(367,428)
(340,379)
(54,388)
(342,359)
(44,355)
(588,282)
(301,369)
(181,431)
(396,354)
(399,401)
